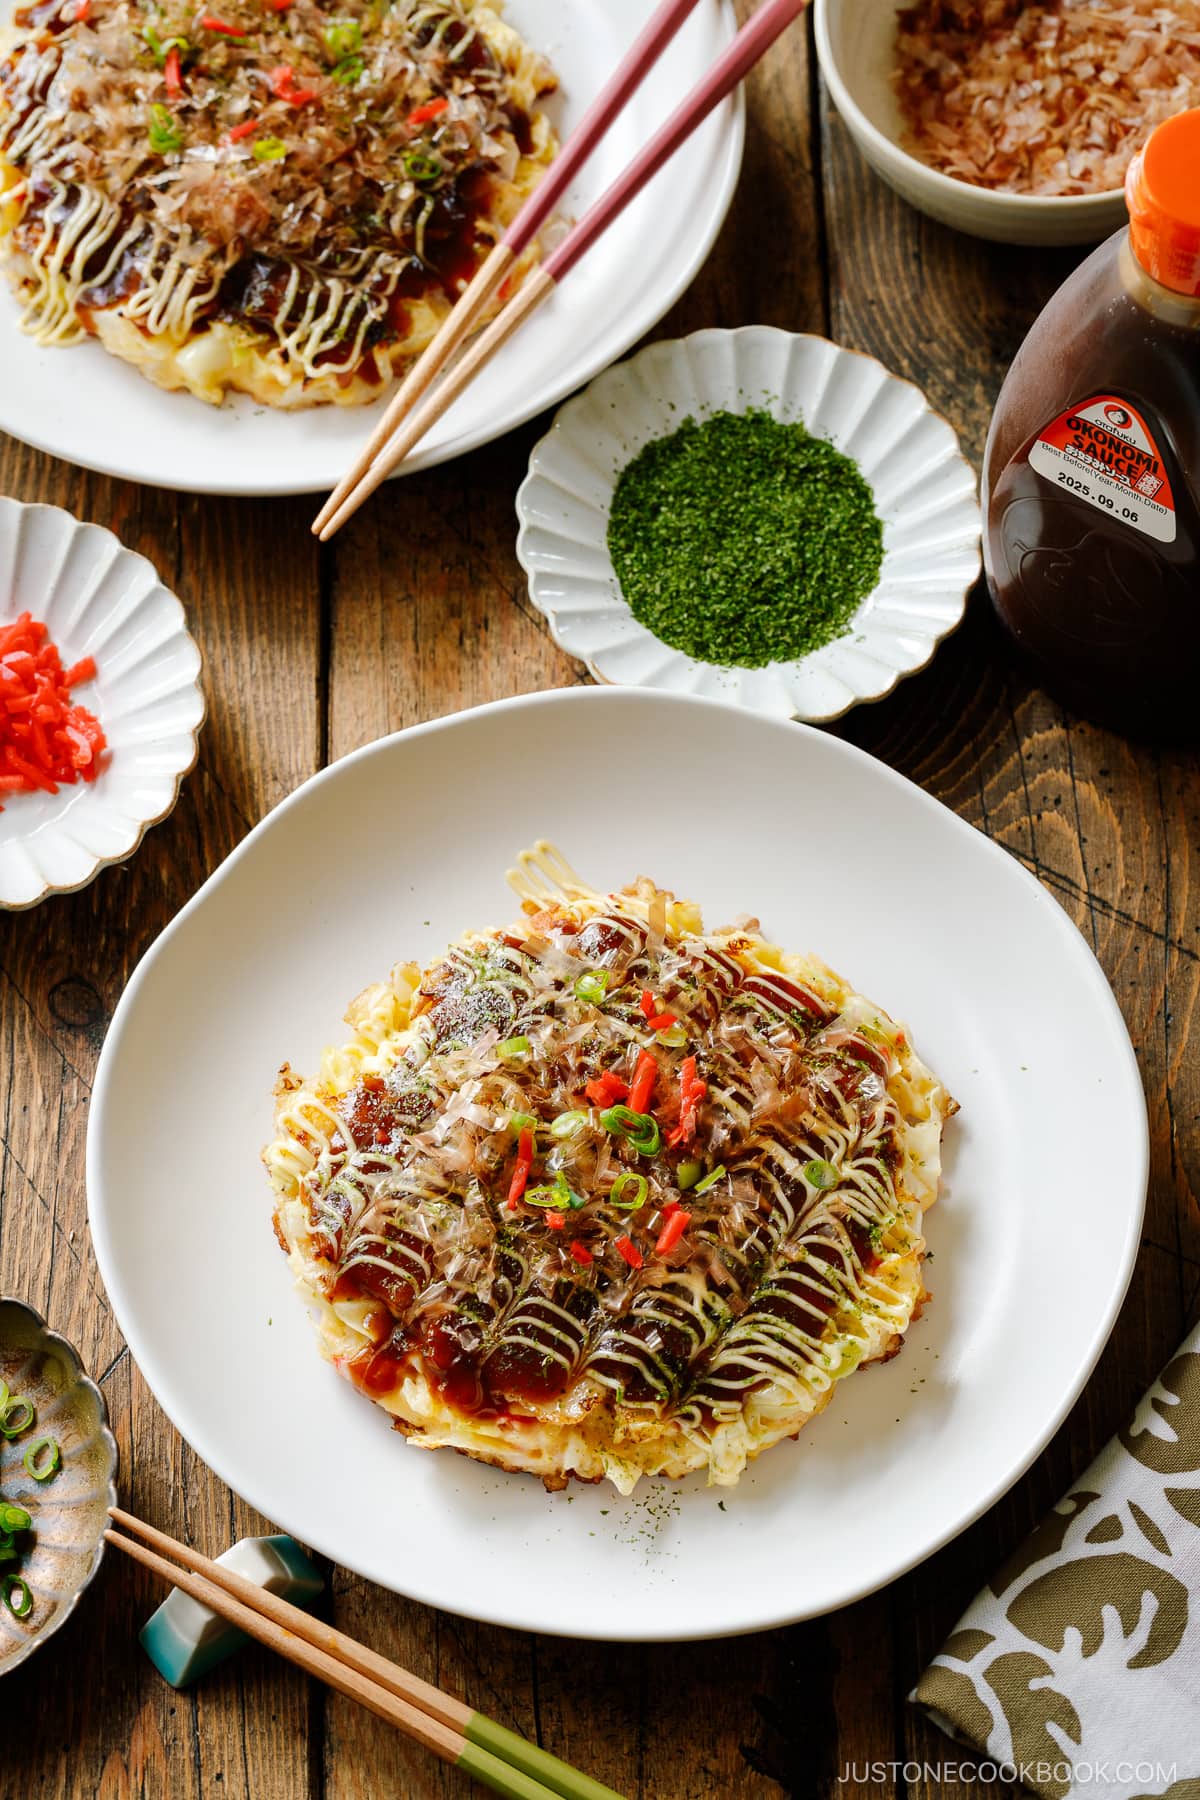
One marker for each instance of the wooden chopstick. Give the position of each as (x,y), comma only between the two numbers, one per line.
(751,43)
(468,310)
(452,1730)
(536,288)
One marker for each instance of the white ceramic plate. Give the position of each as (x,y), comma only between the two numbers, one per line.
(97,599)
(86,407)
(924,494)
(1034,1236)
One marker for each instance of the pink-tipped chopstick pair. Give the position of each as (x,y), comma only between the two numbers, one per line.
(405,422)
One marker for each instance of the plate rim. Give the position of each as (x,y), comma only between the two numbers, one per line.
(658,305)
(520,1615)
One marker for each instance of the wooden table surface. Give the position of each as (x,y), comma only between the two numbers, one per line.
(417,610)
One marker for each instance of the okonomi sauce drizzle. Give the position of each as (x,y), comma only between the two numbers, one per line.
(507,1309)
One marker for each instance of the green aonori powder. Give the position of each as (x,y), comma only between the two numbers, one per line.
(744,540)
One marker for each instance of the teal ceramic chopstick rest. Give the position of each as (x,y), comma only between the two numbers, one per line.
(184,1640)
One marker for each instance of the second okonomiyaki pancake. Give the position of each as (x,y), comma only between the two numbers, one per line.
(281,197)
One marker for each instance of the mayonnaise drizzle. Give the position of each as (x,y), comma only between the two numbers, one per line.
(803,1260)
(69,237)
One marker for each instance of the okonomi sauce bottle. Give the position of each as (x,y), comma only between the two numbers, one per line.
(1092,469)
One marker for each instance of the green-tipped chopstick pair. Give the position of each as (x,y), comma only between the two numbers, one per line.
(512,1765)
(506,1763)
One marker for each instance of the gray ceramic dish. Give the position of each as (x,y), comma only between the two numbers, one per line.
(70,1511)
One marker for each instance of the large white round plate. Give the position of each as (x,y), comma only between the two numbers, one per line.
(402,846)
(87,407)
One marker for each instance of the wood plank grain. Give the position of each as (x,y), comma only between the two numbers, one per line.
(939,308)
(768,267)
(1103,823)
(418,610)
(426,622)
(247,576)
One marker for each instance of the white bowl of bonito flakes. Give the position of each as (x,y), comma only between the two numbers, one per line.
(1025,105)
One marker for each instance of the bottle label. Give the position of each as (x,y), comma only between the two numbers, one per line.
(1104,452)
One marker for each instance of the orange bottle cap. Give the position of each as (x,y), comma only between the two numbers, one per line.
(1162,191)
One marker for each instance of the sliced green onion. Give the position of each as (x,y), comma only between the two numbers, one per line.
(542,1196)
(164,134)
(18,1416)
(639,1128)
(687,1175)
(711,1179)
(269,149)
(513,1049)
(674,1037)
(592,987)
(8,1547)
(161,47)
(342,37)
(557,1194)
(419,167)
(348,71)
(42,1460)
(629,1191)
(5,1391)
(568,1123)
(521,1122)
(820,1174)
(566,1193)
(13,1518)
(21,1607)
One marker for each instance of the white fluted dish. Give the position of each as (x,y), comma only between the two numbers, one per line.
(924,489)
(97,599)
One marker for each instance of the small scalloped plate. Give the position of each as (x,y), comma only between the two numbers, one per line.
(924,491)
(97,599)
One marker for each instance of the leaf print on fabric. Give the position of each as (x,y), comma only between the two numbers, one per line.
(1172,1446)
(1074,1596)
(963,1646)
(1105,1530)
(1149,1529)
(1046,1541)
(957,1699)
(1187,1789)
(1186,1502)
(1030,1710)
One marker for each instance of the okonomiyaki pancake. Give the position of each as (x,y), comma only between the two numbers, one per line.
(605,1194)
(282,197)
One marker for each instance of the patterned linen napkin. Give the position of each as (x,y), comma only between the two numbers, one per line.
(1077,1671)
